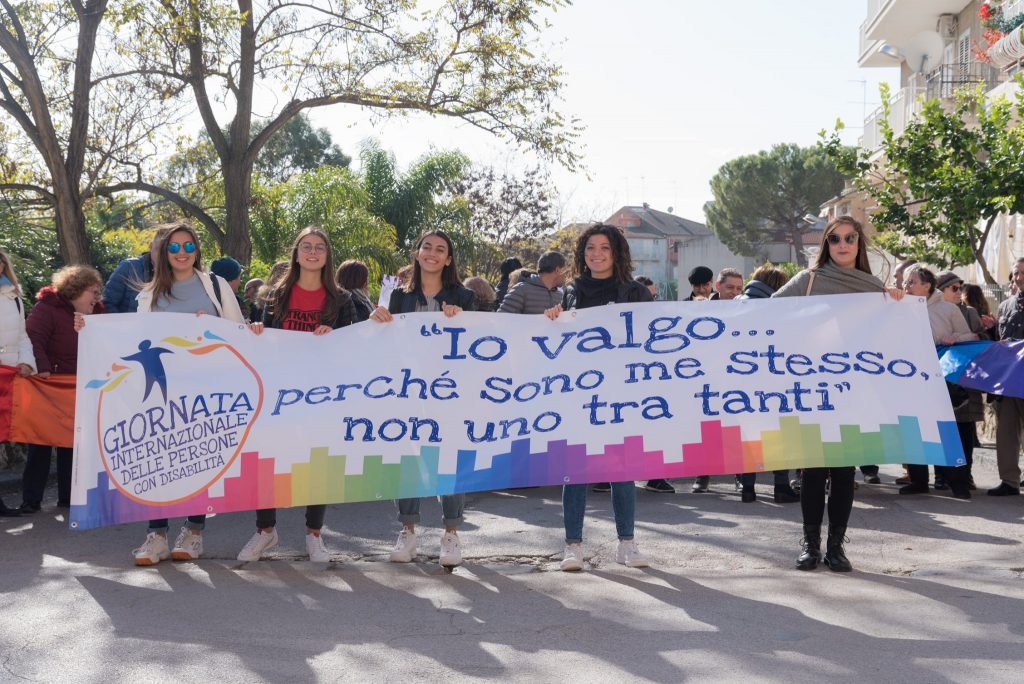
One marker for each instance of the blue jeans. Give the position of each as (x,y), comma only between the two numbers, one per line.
(574,505)
(194,522)
(452,506)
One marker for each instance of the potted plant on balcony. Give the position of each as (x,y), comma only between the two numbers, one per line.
(1003,36)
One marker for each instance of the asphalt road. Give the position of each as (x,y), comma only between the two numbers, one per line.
(937,595)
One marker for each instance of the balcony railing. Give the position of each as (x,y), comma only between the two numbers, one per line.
(903,107)
(945,81)
(1012,9)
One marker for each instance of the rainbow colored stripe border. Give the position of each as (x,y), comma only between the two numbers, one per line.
(720,451)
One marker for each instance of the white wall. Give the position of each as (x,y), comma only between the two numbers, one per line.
(708,251)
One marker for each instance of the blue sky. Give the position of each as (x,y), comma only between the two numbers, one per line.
(669,91)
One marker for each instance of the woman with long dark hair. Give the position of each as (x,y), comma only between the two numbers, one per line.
(605,270)
(306,300)
(841,267)
(432,284)
(354,276)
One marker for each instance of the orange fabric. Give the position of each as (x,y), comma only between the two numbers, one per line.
(37,411)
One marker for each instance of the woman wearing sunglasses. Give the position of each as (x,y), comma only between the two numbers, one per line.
(180,285)
(307,300)
(841,268)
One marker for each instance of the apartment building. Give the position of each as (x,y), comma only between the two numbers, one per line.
(939,47)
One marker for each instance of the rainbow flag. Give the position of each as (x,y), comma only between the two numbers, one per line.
(34,410)
(992,367)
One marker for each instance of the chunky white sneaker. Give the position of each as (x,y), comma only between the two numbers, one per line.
(153,550)
(405,547)
(187,546)
(316,548)
(573,559)
(629,555)
(451,550)
(258,544)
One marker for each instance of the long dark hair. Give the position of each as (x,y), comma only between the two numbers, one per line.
(163,274)
(623,263)
(450,274)
(862,244)
(282,292)
(975,296)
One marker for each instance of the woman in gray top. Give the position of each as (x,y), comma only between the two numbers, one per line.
(841,268)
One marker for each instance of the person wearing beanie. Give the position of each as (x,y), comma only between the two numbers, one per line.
(228,269)
(700,281)
(231,272)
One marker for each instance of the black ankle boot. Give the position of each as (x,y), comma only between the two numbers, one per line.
(835,557)
(810,553)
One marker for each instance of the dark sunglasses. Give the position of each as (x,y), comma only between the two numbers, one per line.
(175,247)
(849,238)
(954,288)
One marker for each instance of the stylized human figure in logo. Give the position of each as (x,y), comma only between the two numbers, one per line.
(148,357)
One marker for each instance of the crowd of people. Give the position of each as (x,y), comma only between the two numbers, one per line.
(306,295)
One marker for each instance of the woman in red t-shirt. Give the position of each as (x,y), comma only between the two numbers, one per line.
(306,300)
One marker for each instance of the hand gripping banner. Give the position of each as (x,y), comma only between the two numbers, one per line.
(179,415)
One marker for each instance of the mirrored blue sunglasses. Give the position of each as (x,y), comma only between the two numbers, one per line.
(175,247)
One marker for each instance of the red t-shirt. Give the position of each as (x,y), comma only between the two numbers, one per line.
(304,308)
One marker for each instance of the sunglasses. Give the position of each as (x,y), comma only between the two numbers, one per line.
(175,247)
(849,238)
(954,288)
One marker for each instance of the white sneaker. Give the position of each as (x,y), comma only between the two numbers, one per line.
(153,550)
(573,559)
(187,546)
(316,548)
(451,551)
(405,547)
(629,555)
(258,544)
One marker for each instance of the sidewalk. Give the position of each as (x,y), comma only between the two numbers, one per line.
(937,596)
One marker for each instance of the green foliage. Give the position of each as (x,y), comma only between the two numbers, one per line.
(296,147)
(510,213)
(762,198)
(411,201)
(334,199)
(33,250)
(949,171)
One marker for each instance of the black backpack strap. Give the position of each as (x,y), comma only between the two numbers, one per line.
(216,290)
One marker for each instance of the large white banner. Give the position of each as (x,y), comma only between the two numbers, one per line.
(180,414)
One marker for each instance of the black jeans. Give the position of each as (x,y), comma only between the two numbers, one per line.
(956,476)
(781,479)
(37,470)
(267,517)
(840,499)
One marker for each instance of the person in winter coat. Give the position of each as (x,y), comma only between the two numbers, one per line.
(51,327)
(122,290)
(539,292)
(308,300)
(15,345)
(605,270)
(840,268)
(432,285)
